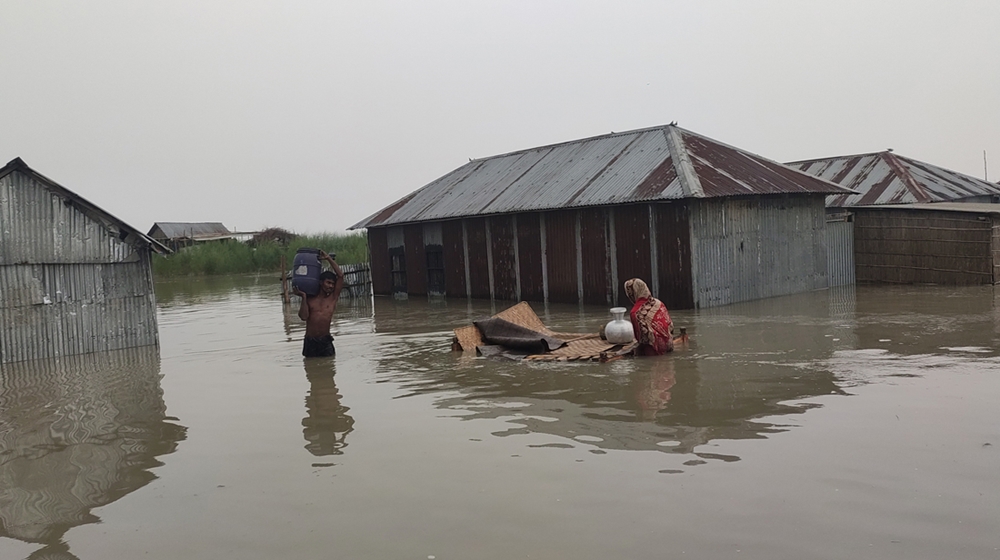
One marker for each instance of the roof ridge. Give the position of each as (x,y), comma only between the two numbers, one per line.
(690,182)
(577,141)
(906,177)
(812,160)
(922,162)
(753,155)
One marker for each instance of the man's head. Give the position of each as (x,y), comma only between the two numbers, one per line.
(328,281)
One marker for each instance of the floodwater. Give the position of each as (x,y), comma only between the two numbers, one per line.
(849,423)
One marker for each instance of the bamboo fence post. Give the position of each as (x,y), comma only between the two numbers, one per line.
(284,281)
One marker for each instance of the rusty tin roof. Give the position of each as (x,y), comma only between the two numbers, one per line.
(651,164)
(888,178)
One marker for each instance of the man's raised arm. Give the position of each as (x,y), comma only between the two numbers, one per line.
(336,270)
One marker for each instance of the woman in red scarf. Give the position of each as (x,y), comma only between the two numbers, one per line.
(650,320)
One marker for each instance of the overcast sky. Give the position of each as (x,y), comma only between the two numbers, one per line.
(313,115)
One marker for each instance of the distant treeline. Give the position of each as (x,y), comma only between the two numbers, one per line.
(233,257)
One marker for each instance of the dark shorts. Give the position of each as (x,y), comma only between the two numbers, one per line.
(314,347)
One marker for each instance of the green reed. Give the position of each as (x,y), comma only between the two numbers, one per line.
(234,257)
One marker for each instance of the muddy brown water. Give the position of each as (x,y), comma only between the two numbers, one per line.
(849,423)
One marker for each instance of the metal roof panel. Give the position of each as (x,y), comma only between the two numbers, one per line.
(888,178)
(618,168)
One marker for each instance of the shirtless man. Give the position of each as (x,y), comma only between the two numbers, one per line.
(317,311)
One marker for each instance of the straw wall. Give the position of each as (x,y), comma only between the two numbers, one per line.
(899,246)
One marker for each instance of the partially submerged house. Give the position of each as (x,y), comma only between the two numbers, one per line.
(73,278)
(702,222)
(913,222)
(889,178)
(184,234)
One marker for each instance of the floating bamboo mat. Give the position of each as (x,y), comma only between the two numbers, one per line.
(586,348)
(579,347)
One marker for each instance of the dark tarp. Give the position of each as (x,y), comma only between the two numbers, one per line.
(510,335)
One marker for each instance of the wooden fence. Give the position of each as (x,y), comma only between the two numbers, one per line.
(357,280)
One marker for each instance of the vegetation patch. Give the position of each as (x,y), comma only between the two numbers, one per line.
(263,255)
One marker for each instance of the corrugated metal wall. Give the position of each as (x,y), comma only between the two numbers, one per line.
(674,273)
(529,248)
(594,245)
(749,248)
(479,271)
(632,247)
(52,310)
(899,246)
(723,250)
(416,259)
(39,227)
(454,258)
(68,285)
(560,255)
(840,252)
(378,249)
(504,262)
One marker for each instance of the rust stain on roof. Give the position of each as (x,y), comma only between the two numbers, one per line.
(657,181)
(618,168)
(888,178)
(904,175)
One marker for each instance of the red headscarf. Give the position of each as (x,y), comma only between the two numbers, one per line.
(650,319)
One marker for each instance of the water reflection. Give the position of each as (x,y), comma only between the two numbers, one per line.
(742,373)
(327,423)
(652,387)
(75,434)
(206,289)
(911,320)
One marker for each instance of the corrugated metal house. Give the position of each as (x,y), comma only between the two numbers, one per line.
(899,246)
(941,243)
(73,278)
(888,178)
(702,222)
(183,234)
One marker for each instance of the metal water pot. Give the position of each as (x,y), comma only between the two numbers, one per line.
(618,331)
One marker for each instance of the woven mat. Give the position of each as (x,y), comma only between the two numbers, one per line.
(579,346)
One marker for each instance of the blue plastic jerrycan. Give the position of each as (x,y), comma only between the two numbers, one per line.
(306,271)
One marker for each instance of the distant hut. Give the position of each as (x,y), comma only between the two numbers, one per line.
(907,227)
(73,278)
(889,178)
(184,234)
(702,222)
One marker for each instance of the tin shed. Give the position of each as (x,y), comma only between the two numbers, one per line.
(702,222)
(177,235)
(894,245)
(73,278)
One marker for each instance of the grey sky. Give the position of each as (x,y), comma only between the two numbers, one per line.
(313,115)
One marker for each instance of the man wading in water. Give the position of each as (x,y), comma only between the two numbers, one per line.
(317,311)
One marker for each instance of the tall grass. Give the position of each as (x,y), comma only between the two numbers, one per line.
(233,257)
